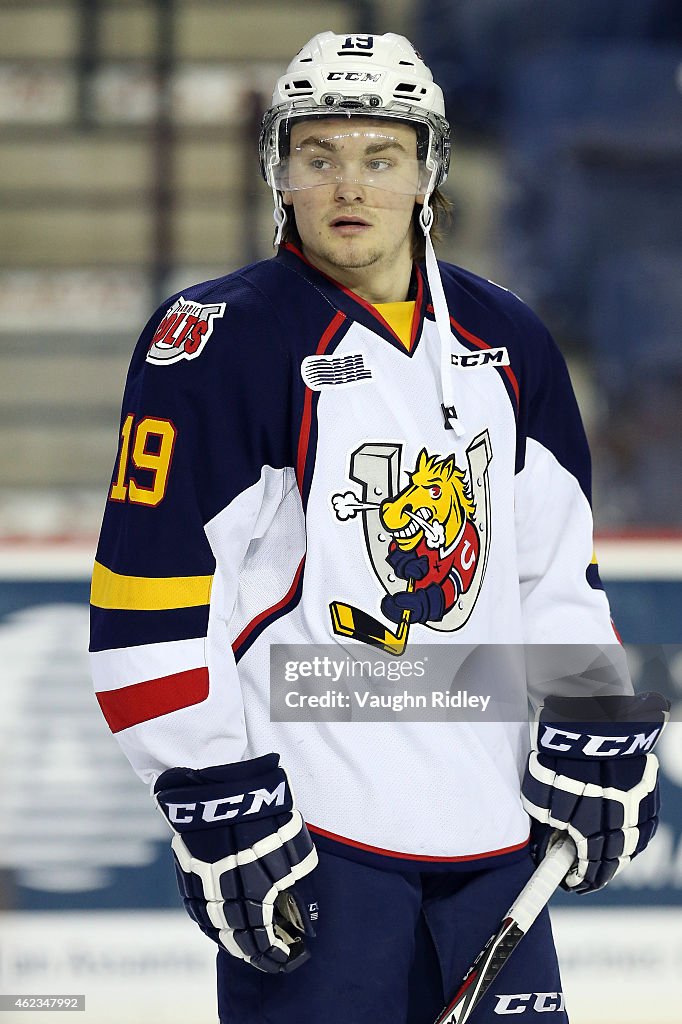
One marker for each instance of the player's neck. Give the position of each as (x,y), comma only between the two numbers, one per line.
(376,283)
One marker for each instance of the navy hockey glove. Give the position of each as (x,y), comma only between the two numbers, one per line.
(425,605)
(408,566)
(242,852)
(591,772)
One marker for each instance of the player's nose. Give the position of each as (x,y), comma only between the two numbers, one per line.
(349,192)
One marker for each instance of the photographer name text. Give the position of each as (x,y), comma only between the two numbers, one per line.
(396,702)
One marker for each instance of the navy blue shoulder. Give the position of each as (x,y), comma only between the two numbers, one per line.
(245,289)
(263,311)
(494,314)
(486,315)
(241,319)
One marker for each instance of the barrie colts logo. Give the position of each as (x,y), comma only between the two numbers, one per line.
(432,531)
(184,331)
(321,372)
(489,356)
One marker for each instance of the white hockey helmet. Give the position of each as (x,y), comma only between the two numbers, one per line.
(381,77)
(377,77)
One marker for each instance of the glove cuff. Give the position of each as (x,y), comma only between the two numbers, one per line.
(208,798)
(600,728)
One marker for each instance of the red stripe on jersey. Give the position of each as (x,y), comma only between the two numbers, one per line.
(372,310)
(416,316)
(479,343)
(140,702)
(484,344)
(244,635)
(347,291)
(304,433)
(415,856)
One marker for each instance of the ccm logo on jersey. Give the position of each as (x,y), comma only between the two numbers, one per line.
(540,1002)
(227,807)
(184,331)
(561,741)
(496,356)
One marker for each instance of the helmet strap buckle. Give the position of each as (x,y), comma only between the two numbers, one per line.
(426,215)
(279,215)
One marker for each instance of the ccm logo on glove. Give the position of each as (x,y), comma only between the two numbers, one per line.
(592,774)
(559,741)
(542,1002)
(243,857)
(222,809)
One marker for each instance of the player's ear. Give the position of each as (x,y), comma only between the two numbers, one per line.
(419,200)
(287,198)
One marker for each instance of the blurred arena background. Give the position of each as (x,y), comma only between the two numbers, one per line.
(129,168)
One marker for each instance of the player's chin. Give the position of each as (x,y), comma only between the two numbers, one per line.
(349,240)
(353,254)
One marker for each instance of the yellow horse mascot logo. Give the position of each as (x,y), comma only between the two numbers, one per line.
(434,546)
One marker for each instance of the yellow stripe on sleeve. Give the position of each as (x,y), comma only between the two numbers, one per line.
(147,594)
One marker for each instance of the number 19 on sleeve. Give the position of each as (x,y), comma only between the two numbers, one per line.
(152,442)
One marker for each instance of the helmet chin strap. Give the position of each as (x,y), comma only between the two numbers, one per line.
(279,215)
(440,308)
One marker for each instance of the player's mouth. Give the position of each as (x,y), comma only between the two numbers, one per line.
(349,226)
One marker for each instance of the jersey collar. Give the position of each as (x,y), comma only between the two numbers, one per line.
(354,306)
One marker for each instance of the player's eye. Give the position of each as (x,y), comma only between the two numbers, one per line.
(318,163)
(379,165)
(435,491)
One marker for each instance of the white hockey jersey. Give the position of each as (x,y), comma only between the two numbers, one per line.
(278,443)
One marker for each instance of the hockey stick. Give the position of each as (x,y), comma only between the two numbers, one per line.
(516,922)
(353,622)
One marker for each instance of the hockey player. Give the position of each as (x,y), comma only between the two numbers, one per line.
(314,448)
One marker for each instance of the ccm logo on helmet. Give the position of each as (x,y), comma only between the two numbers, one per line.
(540,1002)
(561,741)
(225,808)
(354,76)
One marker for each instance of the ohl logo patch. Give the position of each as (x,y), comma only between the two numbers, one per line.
(428,542)
(184,331)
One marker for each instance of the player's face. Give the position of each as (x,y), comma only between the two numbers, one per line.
(353,186)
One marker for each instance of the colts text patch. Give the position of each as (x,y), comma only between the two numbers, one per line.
(184,331)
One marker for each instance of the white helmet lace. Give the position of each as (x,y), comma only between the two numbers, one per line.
(440,309)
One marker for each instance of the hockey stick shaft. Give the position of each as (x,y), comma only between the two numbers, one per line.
(516,922)
(350,621)
(404,624)
(544,881)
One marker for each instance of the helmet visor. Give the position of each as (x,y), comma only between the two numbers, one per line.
(377,157)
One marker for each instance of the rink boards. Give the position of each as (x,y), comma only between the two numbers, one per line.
(87,895)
